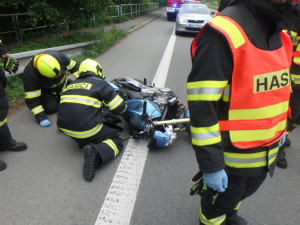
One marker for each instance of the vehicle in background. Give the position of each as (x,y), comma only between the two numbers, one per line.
(173,7)
(192,17)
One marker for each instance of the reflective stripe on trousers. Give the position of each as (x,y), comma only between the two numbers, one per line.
(3,122)
(215,221)
(83,134)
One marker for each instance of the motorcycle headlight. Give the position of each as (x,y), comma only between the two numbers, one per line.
(134,120)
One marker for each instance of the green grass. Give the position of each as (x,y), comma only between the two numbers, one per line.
(15,89)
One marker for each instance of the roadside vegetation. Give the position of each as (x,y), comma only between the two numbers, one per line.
(45,24)
(103,41)
(77,17)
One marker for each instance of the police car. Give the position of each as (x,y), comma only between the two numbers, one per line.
(192,17)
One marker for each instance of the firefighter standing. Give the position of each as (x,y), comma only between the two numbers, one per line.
(240,85)
(44,77)
(80,116)
(6,140)
(294,31)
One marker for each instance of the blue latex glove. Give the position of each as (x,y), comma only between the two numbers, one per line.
(283,139)
(45,123)
(217,180)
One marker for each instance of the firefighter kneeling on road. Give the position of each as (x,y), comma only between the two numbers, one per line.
(80,116)
(44,78)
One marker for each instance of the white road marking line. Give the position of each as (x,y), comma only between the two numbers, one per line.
(161,74)
(120,200)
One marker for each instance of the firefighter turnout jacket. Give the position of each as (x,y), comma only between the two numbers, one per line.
(237,96)
(3,79)
(295,68)
(294,32)
(5,134)
(34,82)
(4,102)
(3,50)
(81,104)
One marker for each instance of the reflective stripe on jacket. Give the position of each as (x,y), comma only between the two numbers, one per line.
(295,68)
(296,53)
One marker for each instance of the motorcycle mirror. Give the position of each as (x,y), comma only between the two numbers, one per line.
(144,114)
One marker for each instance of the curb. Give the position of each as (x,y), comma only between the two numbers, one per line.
(143,24)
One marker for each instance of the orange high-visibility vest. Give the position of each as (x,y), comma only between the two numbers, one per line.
(260,88)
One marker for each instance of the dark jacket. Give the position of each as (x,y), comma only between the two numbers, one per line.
(3,50)
(34,82)
(3,79)
(82,102)
(213,61)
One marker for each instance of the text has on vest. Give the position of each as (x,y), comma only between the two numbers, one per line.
(271,81)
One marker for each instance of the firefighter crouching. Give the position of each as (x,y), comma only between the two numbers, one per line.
(44,77)
(80,116)
(6,141)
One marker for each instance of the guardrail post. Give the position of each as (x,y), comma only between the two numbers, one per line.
(94,18)
(16,27)
(130,10)
(121,7)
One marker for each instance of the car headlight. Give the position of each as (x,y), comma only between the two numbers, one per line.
(181,20)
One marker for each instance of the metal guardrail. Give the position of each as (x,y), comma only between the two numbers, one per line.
(69,50)
(113,11)
(131,9)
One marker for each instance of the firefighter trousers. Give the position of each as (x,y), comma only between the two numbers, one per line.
(106,142)
(214,207)
(50,101)
(5,135)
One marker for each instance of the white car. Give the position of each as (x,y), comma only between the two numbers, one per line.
(192,17)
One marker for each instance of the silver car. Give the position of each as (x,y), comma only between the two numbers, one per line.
(192,17)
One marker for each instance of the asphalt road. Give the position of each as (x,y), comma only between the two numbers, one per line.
(43,185)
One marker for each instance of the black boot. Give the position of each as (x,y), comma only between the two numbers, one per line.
(2,165)
(234,219)
(281,160)
(13,145)
(91,162)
